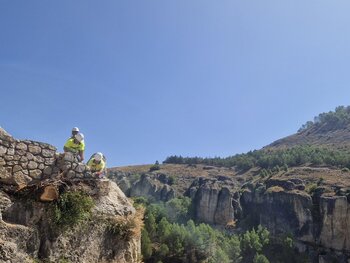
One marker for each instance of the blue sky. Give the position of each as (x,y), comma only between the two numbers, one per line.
(147,79)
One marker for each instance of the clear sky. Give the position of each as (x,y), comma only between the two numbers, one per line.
(147,79)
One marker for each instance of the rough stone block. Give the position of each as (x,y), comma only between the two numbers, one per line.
(34,149)
(21,179)
(21,152)
(21,146)
(8,157)
(32,165)
(48,153)
(47,170)
(23,159)
(70,174)
(10,151)
(39,159)
(49,161)
(24,165)
(66,167)
(5,176)
(3,150)
(69,157)
(17,168)
(30,156)
(35,173)
(80,168)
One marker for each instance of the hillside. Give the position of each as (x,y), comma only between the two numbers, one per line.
(298,186)
(330,129)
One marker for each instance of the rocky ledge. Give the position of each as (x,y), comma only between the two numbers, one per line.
(38,187)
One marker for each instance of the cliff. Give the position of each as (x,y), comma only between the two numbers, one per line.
(43,192)
(308,203)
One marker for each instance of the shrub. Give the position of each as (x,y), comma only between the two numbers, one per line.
(310,188)
(126,227)
(171,180)
(320,181)
(72,208)
(263,173)
(121,227)
(154,167)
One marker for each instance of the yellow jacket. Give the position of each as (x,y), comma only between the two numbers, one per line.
(96,167)
(74,147)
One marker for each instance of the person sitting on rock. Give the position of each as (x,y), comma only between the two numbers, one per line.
(75,131)
(76,145)
(97,164)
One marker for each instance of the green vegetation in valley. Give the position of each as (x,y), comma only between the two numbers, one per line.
(170,235)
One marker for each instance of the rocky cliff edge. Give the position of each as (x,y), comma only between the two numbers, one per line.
(35,183)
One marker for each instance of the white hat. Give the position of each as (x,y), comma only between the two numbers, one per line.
(79,137)
(75,129)
(98,156)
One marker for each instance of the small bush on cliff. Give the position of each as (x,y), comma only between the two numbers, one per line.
(310,188)
(125,227)
(72,208)
(154,167)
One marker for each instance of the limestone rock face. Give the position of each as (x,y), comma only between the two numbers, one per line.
(280,211)
(26,229)
(323,221)
(213,201)
(335,216)
(151,187)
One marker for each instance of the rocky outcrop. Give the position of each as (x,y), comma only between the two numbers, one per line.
(27,231)
(214,200)
(26,228)
(147,186)
(282,212)
(156,186)
(335,220)
(319,222)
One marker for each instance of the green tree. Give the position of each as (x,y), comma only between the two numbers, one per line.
(260,259)
(150,224)
(253,241)
(146,244)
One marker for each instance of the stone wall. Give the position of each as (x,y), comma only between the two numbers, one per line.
(23,161)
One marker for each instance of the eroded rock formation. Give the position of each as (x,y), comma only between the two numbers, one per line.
(27,170)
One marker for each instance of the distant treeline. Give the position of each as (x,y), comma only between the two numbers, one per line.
(338,119)
(272,158)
